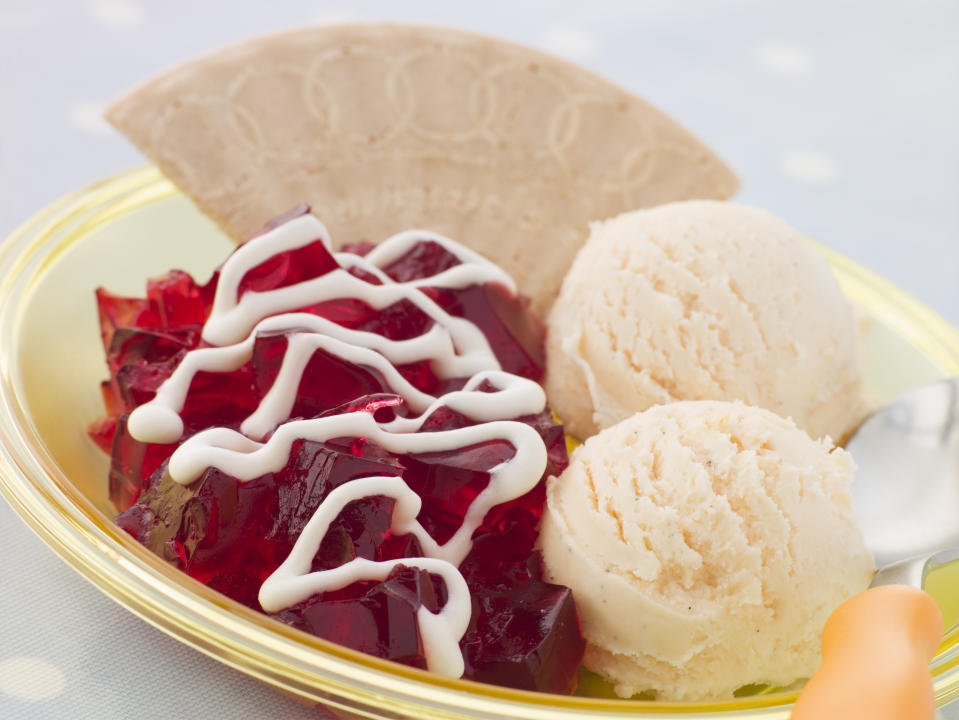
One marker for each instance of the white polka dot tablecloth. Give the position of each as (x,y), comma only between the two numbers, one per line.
(840,117)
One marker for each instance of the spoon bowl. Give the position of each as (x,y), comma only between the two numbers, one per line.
(907,489)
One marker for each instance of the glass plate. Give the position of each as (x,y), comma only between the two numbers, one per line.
(135,225)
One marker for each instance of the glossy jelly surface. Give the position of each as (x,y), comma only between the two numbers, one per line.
(232,533)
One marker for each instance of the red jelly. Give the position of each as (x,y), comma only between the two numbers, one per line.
(232,534)
(378,618)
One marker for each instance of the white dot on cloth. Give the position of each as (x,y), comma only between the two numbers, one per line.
(87,116)
(28,678)
(569,41)
(784,59)
(117,13)
(809,166)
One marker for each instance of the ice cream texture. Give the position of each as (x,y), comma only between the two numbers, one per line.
(706,544)
(702,300)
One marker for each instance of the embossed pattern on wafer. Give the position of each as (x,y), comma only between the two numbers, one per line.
(383,127)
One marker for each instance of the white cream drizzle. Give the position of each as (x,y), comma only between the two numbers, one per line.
(245,459)
(231,318)
(455,347)
(293,582)
(158,421)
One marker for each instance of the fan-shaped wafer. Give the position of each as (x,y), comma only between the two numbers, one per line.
(381,128)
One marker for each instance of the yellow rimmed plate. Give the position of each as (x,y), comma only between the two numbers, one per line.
(135,225)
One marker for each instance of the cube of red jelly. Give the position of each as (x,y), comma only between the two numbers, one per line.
(378,618)
(327,382)
(102,432)
(448,482)
(425,259)
(132,345)
(312,472)
(178,300)
(515,335)
(289,268)
(119,312)
(219,400)
(523,633)
(525,636)
(132,462)
(137,383)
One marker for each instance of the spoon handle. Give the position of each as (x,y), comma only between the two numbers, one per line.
(876,649)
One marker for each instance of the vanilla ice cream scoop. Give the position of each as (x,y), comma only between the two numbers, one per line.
(702,300)
(706,543)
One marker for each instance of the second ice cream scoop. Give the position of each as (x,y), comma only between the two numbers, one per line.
(706,543)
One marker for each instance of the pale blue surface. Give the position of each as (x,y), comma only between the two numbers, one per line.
(860,100)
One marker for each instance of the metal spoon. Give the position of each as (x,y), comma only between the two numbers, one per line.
(907,488)
(907,499)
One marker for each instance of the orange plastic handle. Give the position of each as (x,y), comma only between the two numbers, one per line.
(876,649)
